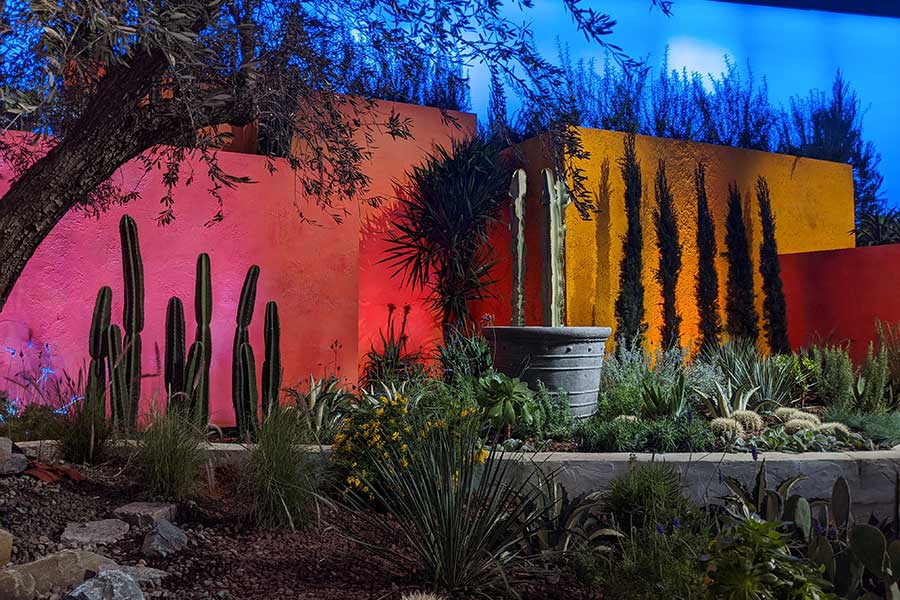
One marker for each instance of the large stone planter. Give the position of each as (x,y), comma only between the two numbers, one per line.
(565,359)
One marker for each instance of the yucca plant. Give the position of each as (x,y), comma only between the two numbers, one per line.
(463,513)
(772,380)
(440,239)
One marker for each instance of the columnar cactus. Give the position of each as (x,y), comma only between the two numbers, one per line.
(517,191)
(118,388)
(555,197)
(193,382)
(243,366)
(271,369)
(133,314)
(97,344)
(173,371)
(203,337)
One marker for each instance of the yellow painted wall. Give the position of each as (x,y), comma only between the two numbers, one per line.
(812,201)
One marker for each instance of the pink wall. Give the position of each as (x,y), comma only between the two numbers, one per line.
(838,295)
(324,275)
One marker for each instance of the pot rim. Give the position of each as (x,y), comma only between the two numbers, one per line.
(537,331)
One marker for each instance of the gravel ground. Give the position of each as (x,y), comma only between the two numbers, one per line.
(226,559)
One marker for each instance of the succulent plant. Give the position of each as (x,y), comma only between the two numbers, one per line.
(727,428)
(271,369)
(203,337)
(98,347)
(243,365)
(173,371)
(785,413)
(838,430)
(748,419)
(661,400)
(504,400)
(805,416)
(132,316)
(727,398)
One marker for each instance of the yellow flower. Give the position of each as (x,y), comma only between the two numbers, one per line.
(395,436)
(483,455)
(404,448)
(407,429)
(379,411)
(403,462)
(383,399)
(404,410)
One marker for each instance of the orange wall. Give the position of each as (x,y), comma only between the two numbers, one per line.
(324,275)
(838,295)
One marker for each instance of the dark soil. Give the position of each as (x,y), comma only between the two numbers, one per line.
(227,559)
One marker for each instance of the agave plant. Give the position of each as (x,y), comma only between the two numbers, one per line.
(323,405)
(727,399)
(660,400)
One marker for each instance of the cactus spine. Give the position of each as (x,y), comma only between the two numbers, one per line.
(243,366)
(118,389)
(203,340)
(173,372)
(133,313)
(271,369)
(97,344)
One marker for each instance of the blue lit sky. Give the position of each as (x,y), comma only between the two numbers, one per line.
(795,50)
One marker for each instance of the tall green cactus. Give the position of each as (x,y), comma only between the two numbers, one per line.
(97,344)
(118,388)
(193,382)
(133,313)
(203,337)
(271,369)
(173,371)
(242,359)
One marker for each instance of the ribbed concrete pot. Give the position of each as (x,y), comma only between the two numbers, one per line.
(565,359)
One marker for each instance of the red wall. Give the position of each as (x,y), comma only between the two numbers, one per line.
(838,295)
(325,276)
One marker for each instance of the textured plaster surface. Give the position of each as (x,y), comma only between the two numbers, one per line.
(324,275)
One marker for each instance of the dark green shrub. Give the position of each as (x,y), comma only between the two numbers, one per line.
(552,418)
(669,247)
(707,284)
(881,428)
(740,299)
(170,455)
(280,480)
(625,434)
(871,386)
(774,306)
(629,307)
(648,494)
(649,563)
(834,382)
(599,434)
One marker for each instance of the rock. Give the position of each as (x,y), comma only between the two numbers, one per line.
(109,585)
(61,570)
(165,539)
(6,544)
(6,445)
(12,464)
(142,574)
(106,531)
(146,514)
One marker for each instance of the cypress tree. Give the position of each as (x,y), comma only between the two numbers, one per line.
(707,285)
(498,122)
(740,309)
(774,307)
(669,247)
(630,303)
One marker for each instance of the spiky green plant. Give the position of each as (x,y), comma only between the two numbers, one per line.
(133,314)
(170,455)
(243,366)
(323,404)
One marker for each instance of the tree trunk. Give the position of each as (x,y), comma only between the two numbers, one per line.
(117,125)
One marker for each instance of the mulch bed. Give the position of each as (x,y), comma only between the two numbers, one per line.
(227,559)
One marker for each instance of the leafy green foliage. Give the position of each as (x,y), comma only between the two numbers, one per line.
(740,298)
(280,480)
(878,227)
(669,247)
(505,401)
(752,560)
(463,511)
(833,385)
(464,355)
(707,283)
(660,401)
(882,428)
(647,494)
(393,363)
(440,239)
(552,418)
(869,392)
(170,455)
(629,306)
(774,305)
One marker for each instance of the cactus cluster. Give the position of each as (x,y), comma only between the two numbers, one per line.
(796,425)
(726,427)
(749,420)
(244,392)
